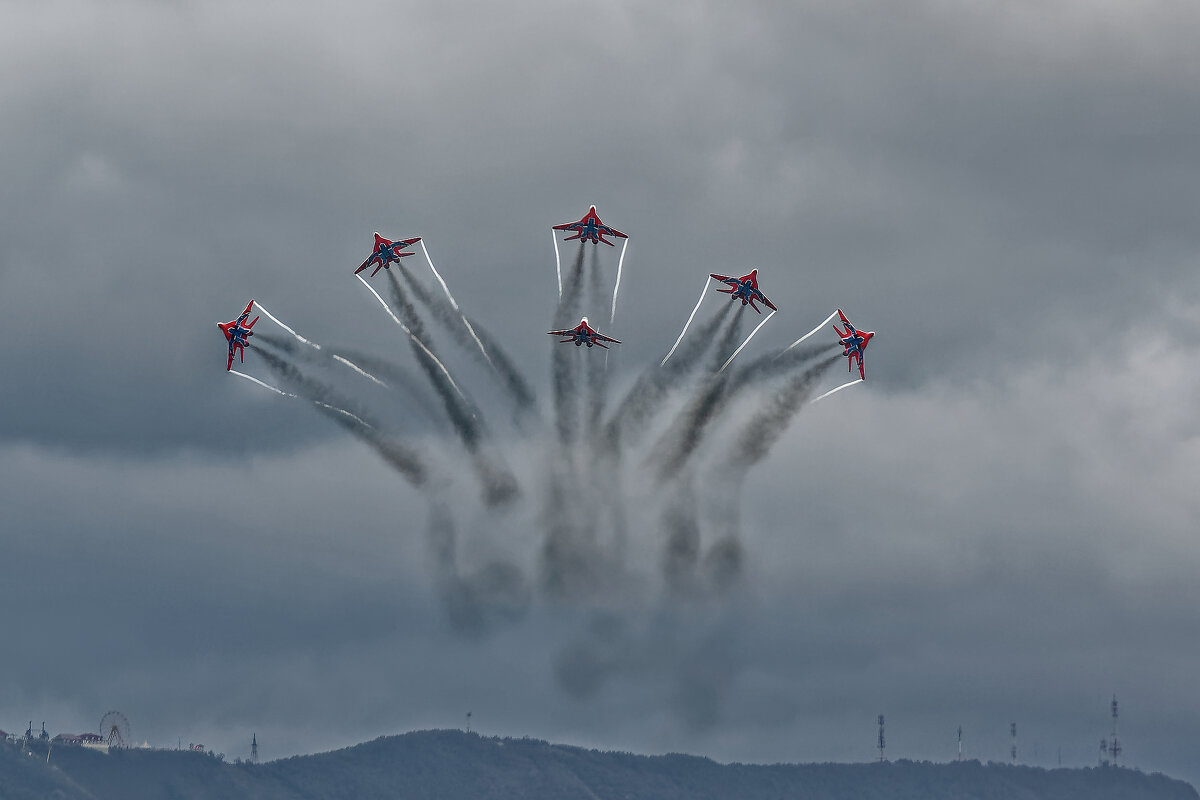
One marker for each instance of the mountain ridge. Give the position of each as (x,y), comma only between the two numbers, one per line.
(451,764)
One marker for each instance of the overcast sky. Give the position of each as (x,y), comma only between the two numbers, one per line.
(999,526)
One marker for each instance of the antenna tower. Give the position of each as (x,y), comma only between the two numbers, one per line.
(1114,748)
(254,748)
(960,742)
(1012,730)
(881,743)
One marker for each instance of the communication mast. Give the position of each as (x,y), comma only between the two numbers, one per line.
(254,748)
(1012,729)
(1114,747)
(960,742)
(880,745)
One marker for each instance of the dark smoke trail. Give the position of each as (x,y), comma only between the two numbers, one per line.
(562,363)
(765,428)
(461,328)
(288,346)
(497,481)
(593,404)
(463,417)
(568,305)
(520,390)
(685,435)
(716,393)
(398,379)
(499,484)
(404,460)
(408,312)
(681,551)
(779,363)
(496,593)
(692,349)
(573,565)
(597,363)
(728,340)
(685,571)
(723,563)
(596,282)
(652,387)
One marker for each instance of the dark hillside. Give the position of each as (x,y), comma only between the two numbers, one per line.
(448,765)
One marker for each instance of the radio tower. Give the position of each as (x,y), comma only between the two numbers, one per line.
(254,748)
(960,742)
(1012,729)
(1114,748)
(881,741)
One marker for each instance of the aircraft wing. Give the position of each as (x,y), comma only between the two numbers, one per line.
(229,366)
(570,332)
(600,337)
(604,230)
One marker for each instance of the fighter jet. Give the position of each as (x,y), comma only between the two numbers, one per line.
(745,289)
(583,334)
(855,342)
(238,334)
(387,252)
(590,228)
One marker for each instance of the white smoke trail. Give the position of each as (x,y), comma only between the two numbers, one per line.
(613,314)
(260,383)
(344,412)
(686,325)
(742,346)
(386,307)
(438,275)
(285,327)
(454,304)
(360,370)
(838,389)
(557,262)
(482,349)
(810,333)
(415,340)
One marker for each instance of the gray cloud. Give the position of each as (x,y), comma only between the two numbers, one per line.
(997,527)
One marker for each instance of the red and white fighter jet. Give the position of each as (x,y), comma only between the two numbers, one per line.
(590,229)
(583,334)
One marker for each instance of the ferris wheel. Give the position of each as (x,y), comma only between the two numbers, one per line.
(114,729)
